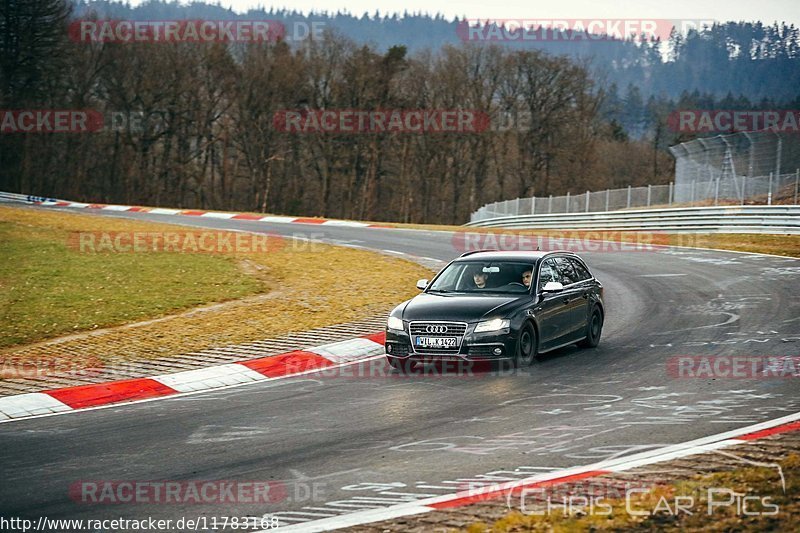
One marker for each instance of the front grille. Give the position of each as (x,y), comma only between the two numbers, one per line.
(437,329)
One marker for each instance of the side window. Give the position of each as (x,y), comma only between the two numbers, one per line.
(450,277)
(583,274)
(464,279)
(567,270)
(547,273)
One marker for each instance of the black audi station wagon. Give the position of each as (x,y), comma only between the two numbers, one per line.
(498,306)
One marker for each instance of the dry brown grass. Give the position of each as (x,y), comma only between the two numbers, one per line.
(757,483)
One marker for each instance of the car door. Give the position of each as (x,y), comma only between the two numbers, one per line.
(576,298)
(550,310)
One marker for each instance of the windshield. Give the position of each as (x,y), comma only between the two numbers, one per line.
(512,277)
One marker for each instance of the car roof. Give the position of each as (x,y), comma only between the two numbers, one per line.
(509,255)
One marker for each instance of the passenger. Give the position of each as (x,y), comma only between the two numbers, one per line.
(526,278)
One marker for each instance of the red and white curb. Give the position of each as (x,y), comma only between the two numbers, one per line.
(215,377)
(207,214)
(459,499)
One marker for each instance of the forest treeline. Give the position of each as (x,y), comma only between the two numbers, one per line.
(204,133)
(755,59)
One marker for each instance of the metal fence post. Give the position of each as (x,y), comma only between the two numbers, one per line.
(692,198)
(670,193)
(649,187)
(587,201)
(744,188)
(607,194)
(796,179)
(516,208)
(629,195)
(567,208)
(533,205)
(716,192)
(550,205)
(769,194)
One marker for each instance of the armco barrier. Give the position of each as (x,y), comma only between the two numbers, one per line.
(776,219)
(14,197)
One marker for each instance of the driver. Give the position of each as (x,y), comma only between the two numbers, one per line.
(526,278)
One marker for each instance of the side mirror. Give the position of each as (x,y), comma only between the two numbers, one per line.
(552,286)
(422,284)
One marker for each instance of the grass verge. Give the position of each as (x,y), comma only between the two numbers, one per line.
(50,289)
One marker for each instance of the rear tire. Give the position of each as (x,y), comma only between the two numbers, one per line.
(526,346)
(594,328)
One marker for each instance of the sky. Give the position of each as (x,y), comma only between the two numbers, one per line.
(749,10)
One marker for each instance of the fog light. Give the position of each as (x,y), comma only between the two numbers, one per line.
(498,351)
(388,348)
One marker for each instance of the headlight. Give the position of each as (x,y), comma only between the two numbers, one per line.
(395,323)
(492,325)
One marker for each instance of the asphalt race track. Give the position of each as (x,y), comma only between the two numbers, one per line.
(336,444)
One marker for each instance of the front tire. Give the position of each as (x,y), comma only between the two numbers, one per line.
(526,346)
(594,328)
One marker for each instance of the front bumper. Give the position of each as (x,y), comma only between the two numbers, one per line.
(474,347)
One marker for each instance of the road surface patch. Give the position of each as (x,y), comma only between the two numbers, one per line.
(465,498)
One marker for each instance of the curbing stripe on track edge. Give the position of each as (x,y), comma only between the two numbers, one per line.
(208,214)
(21,406)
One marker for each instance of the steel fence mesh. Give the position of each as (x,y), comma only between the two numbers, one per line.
(744,168)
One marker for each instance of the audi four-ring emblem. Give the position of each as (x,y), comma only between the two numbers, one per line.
(435,329)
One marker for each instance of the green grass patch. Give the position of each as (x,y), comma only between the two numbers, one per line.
(49,289)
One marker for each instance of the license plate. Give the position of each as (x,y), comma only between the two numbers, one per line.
(436,342)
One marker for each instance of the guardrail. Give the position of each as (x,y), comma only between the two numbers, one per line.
(730,219)
(736,219)
(14,197)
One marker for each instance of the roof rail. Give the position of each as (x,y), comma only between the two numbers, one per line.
(560,252)
(465,254)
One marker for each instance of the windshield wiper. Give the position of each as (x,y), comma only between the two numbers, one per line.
(439,290)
